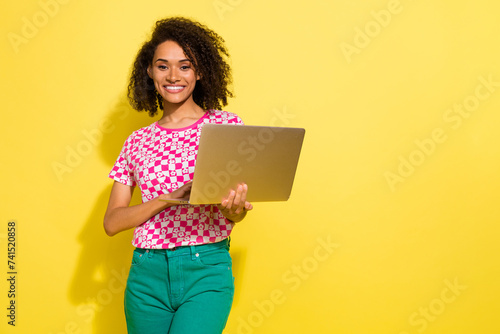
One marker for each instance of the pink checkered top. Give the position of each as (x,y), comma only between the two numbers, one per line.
(160,160)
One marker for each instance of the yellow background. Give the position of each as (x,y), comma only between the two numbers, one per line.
(411,219)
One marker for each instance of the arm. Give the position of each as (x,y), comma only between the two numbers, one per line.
(235,206)
(120,216)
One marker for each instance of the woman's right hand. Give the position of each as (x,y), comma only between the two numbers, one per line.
(181,193)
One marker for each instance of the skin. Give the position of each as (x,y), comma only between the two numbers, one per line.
(174,78)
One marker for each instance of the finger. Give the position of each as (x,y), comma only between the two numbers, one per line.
(243,198)
(237,203)
(244,193)
(185,188)
(248,206)
(230,199)
(244,205)
(223,204)
(186,185)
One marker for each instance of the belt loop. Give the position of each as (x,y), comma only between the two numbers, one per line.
(150,252)
(193,252)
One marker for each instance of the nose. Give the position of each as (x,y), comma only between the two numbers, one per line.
(173,75)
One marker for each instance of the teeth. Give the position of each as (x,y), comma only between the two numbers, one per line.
(175,87)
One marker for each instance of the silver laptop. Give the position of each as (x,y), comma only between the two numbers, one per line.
(263,157)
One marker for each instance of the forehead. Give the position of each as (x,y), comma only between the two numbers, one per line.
(169,50)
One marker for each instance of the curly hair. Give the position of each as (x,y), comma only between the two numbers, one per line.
(206,51)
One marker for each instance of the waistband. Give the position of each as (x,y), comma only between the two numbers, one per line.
(183,250)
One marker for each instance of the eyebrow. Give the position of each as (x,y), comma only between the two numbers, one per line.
(166,61)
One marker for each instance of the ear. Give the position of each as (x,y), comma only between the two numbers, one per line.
(149,72)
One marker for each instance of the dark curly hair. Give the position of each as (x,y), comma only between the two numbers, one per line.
(206,51)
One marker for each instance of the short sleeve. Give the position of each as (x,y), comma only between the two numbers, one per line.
(234,119)
(122,170)
(239,121)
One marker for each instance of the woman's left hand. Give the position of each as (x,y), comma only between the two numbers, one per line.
(235,206)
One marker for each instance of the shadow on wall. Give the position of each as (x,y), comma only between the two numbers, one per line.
(102,270)
(101,275)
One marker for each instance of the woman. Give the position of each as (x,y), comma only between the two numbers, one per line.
(181,279)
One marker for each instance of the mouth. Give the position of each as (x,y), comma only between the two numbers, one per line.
(173,88)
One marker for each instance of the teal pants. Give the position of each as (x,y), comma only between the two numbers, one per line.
(180,291)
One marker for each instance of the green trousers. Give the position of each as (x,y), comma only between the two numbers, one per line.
(180,291)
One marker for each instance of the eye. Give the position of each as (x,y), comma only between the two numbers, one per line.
(162,67)
(185,67)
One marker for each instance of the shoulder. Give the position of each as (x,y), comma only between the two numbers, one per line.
(223,117)
(141,134)
(145,131)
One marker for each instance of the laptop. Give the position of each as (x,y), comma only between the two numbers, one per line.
(263,157)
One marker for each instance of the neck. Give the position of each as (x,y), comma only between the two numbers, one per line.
(180,115)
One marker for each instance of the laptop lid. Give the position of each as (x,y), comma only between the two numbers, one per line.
(263,157)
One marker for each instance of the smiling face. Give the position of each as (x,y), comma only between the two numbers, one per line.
(173,75)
